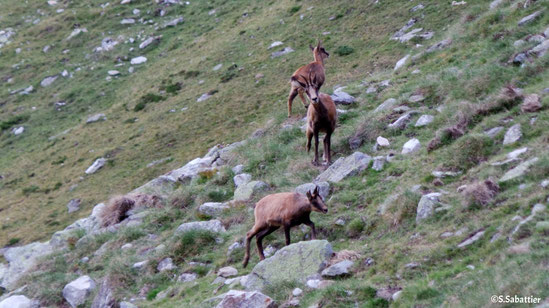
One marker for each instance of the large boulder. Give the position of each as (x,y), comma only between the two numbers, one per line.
(344,167)
(411,146)
(243,299)
(245,192)
(213,209)
(210,225)
(90,224)
(323,188)
(162,186)
(19,301)
(426,206)
(20,259)
(78,291)
(293,263)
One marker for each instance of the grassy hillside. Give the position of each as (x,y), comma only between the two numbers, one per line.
(469,87)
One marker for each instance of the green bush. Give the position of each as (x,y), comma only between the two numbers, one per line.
(192,243)
(344,50)
(18,119)
(355,227)
(147,98)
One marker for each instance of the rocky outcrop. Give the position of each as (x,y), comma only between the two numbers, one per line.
(518,171)
(20,260)
(19,301)
(293,263)
(210,225)
(426,206)
(243,299)
(213,209)
(345,167)
(246,191)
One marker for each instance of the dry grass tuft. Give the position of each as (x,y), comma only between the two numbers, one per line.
(480,193)
(343,255)
(116,210)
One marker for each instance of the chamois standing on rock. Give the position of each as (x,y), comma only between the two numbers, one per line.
(282,210)
(321,117)
(308,78)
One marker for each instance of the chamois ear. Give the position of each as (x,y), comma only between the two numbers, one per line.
(319,44)
(312,48)
(309,196)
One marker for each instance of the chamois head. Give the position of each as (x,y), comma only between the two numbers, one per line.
(316,201)
(319,52)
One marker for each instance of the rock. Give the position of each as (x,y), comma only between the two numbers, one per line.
(379,161)
(458,3)
(345,167)
(107,44)
(96,118)
(396,296)
(227,271)
(424,120)
(292,263)
(493,132)
(77,291)
(186,277)
(416,98)
(73,205)
(542,226)
(475,237)
(243,299)
(213,209)
(127,305)
(18,301)
(403,30)
(20,259)
(140,265)
(245,192)
(544,183)
(127,21)
(105,297)
(440,45)
(269,251)
(48,81)
(532,103)
(340,222)
(516,153)
(18,130)
(401,63)
(166,265)
(282,52)
(512,135)
(149,41)
(234,246)
(238,169)
(444,174)
(386,105)
(538,208)
(401,122)
(518,171)
(162,186)
(426,206)
(297,292)
(113,73)
(138,60)
(343,98)
(210,225)
(339,269)
(193,168)
(242,179)
(539,50)
(275,44)
(174,22)
(382,142)
(417,8)
(494,4)
(319,284)
(203,97)
(529,18)
(76,32)
(411,146)
(97,164)
(323,188)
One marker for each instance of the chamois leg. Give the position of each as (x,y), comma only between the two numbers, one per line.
(311,225)
(259,240)
(293,94)
(309,138)
(315,161)
(249,237)
(327,148)
(287,234)
(303,100)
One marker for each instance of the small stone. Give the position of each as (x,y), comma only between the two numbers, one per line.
(174,22)
(475,237)
(217,67)
(140,265)
(516,153)
(126,246)
(544,183)
(440,45)
(18,301)
(532,103)
(379,161)
(127,21)
(401,63)
(512,135)
(166,265)
(97,164)
(411,146)
(234,246)
(426,206)
(227,272)
(238,169)
(396,296)
(297,292)
(282,52)
(77,291)
(382,142)
(323,188)
(340,97)
(48,81)
(138,60)
(493,132)
(519,170)
(213,209)
(241,179)
(339,269)
(416,98)
(275,44)
(386,105)
(319,284)
(417,8)
(402,121)
(73,205)
(203,97)
(424,120)
(187,277)
(113,73)
(18,130)
(529,18)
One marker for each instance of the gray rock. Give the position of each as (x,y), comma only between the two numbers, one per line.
(323,188)
(416,98)
(138,60)
(162,186)
(516,153)
(107,44)
(426,206)
(518,43)
(493,132)
(20,260)
(76,32)
(127,305)
(512,135)
(396,296)
(411,146)
(234,246)
(96,118)
(78,291)
(210,225)
(127,21)
(227,271)
(73,205)
(243,299)
(203,97)
(529,18)
(382,142)
(238,169)
(166,265)
(401,122)
(242,179)
(275,44)
(293,263)
(97,164)
(319,284)
(445,174)
(246,191)
(401,63)
(193,168)
(48,81)
(339,269)
(494,4)
(269,251)
(186,277)
(149,41)
(537,208)
(424,120)
(475,237)
(440,45)
(345,167)
(518,171)
(113,73)
(18,130)
(297,292)
(18,301)
(217,67)
(403,30)
(417,8)
(379,161)
(343,98)
(540,50)
(174,22)
(282,52)
(140,265)
(386,105)
(213,209)
(105,297)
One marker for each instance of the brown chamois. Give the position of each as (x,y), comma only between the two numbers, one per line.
(321,117)
(282,210)
(308,78)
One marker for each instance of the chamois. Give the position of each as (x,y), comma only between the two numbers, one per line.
(283,210)
(308,78)
(321,117)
